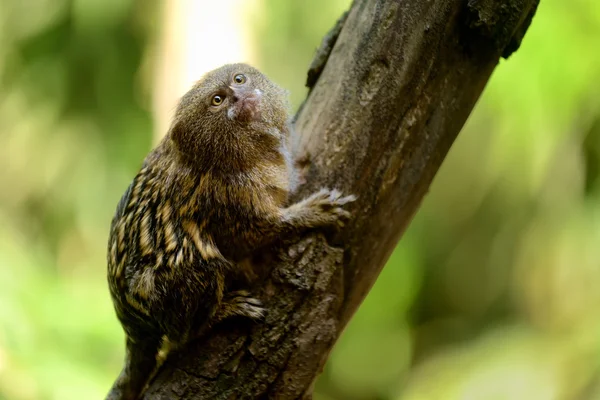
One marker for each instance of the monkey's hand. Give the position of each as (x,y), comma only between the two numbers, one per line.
(321,209)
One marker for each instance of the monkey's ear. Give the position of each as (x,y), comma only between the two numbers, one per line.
(183,139)
(177,133)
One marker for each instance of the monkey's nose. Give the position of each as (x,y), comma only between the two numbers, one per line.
(244,93)
(246,104)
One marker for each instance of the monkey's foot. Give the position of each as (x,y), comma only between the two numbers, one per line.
(241,303)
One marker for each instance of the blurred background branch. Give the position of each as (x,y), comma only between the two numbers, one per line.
(491,293)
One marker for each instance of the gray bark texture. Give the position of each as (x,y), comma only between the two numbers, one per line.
(391,87)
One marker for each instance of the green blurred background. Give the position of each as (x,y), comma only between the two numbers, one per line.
(493,293)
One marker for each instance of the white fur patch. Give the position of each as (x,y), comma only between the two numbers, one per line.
(231,113)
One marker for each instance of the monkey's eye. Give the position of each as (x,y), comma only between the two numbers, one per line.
(239,78)
(217,100)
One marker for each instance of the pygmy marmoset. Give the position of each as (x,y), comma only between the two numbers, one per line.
(208,196)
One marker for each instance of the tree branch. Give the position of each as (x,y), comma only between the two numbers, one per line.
(393,93)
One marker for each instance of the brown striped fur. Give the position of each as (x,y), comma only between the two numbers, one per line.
(206,198)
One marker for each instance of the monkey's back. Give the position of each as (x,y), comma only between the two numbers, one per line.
(158,258)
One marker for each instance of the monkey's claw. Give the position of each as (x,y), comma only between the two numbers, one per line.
(328,205)
(241,303)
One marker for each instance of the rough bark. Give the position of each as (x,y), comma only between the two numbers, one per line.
(393,85)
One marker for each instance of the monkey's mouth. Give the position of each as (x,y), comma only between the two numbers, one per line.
(246,105)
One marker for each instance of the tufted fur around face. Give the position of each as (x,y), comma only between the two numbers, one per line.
(250,123)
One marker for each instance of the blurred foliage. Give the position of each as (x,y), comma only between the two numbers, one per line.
(74,127)
(491,294)
(288,34)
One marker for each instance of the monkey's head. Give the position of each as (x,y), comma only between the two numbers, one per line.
(231,115)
